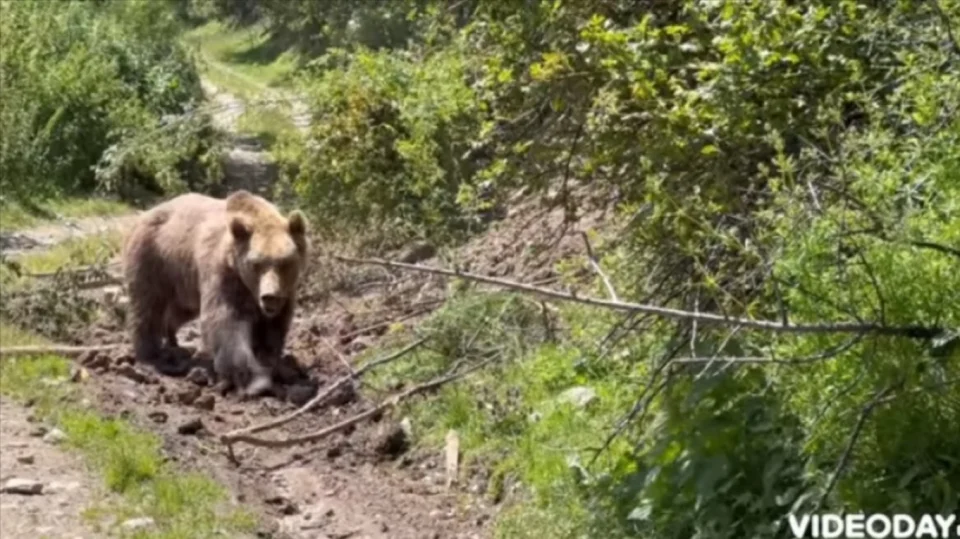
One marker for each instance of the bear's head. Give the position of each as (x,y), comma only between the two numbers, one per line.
(269,249)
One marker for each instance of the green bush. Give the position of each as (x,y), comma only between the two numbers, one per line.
(83,81)
(384,149)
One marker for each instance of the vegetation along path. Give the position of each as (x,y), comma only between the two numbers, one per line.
(578,269)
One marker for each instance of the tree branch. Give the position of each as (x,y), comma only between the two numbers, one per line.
(914,331)
(239,434)
(854,436)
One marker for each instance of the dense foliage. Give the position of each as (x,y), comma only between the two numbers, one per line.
(780,161)
(90,90)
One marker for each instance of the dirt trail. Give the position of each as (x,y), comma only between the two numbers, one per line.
(351,484)
(67,489)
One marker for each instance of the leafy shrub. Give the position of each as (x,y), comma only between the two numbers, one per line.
(80,78)
(387,133)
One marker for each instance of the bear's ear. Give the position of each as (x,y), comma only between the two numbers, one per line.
(239,228)
(238,200)
(297,223)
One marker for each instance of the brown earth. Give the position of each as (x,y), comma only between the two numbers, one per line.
(353,483)
(349,484)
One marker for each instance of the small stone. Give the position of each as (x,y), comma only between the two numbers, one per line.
(55,436)
(94,360)
(60,486)
(300,394)
(189,395)
(131,372)
(407,427)
(158,416)
(198,376)
(26,459)
(79,374)
(39,431)
(192,426)
(125,359)
(391,440)
(579,396)
(19,485)
(137,523)
(205,402)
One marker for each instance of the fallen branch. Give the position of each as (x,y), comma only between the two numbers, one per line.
(333,429)
(916,331)
(59,349)
(239,434)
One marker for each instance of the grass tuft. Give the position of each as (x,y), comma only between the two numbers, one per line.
(131,462)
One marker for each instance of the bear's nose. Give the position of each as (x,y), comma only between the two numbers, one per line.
(271,302)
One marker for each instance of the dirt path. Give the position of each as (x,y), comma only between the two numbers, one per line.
(45,236)
(67,489)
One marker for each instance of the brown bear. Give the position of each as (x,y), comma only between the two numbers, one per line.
(233,262)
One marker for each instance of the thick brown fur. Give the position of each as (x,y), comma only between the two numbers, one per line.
(234,263)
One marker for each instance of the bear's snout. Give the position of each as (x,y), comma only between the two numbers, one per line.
(271,304)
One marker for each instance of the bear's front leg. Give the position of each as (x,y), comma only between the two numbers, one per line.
(227,336)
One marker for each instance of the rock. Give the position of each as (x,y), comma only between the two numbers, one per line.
(198,376)
(39,431)
(286,506)
(55,436)
(26,459)
(189,395)
(94,360)
(137,523)
(158,416)
(129,371)
(79,374)
(417,252)
(579,396)
(19,485)
(391,440)
(60,486)
(124,359)
(407,427)
(191,426)
(206,402)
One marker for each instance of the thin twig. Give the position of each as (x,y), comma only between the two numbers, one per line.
(596,267)
(833,352)
(914,331)
(854,436)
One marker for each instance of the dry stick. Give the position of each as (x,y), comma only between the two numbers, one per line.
(32,350)
(236,435)
(389,403)
(915,331)
(596,267)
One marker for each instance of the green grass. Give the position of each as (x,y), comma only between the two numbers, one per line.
(247,63)
(246,56)
(81,251)
(14,216)
(183,505)
(509,415)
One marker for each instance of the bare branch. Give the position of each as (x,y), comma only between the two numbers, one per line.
(238,434)
(833,352)
(854,436)
(323,433)
(59,349)
(915,331)
(596,267)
